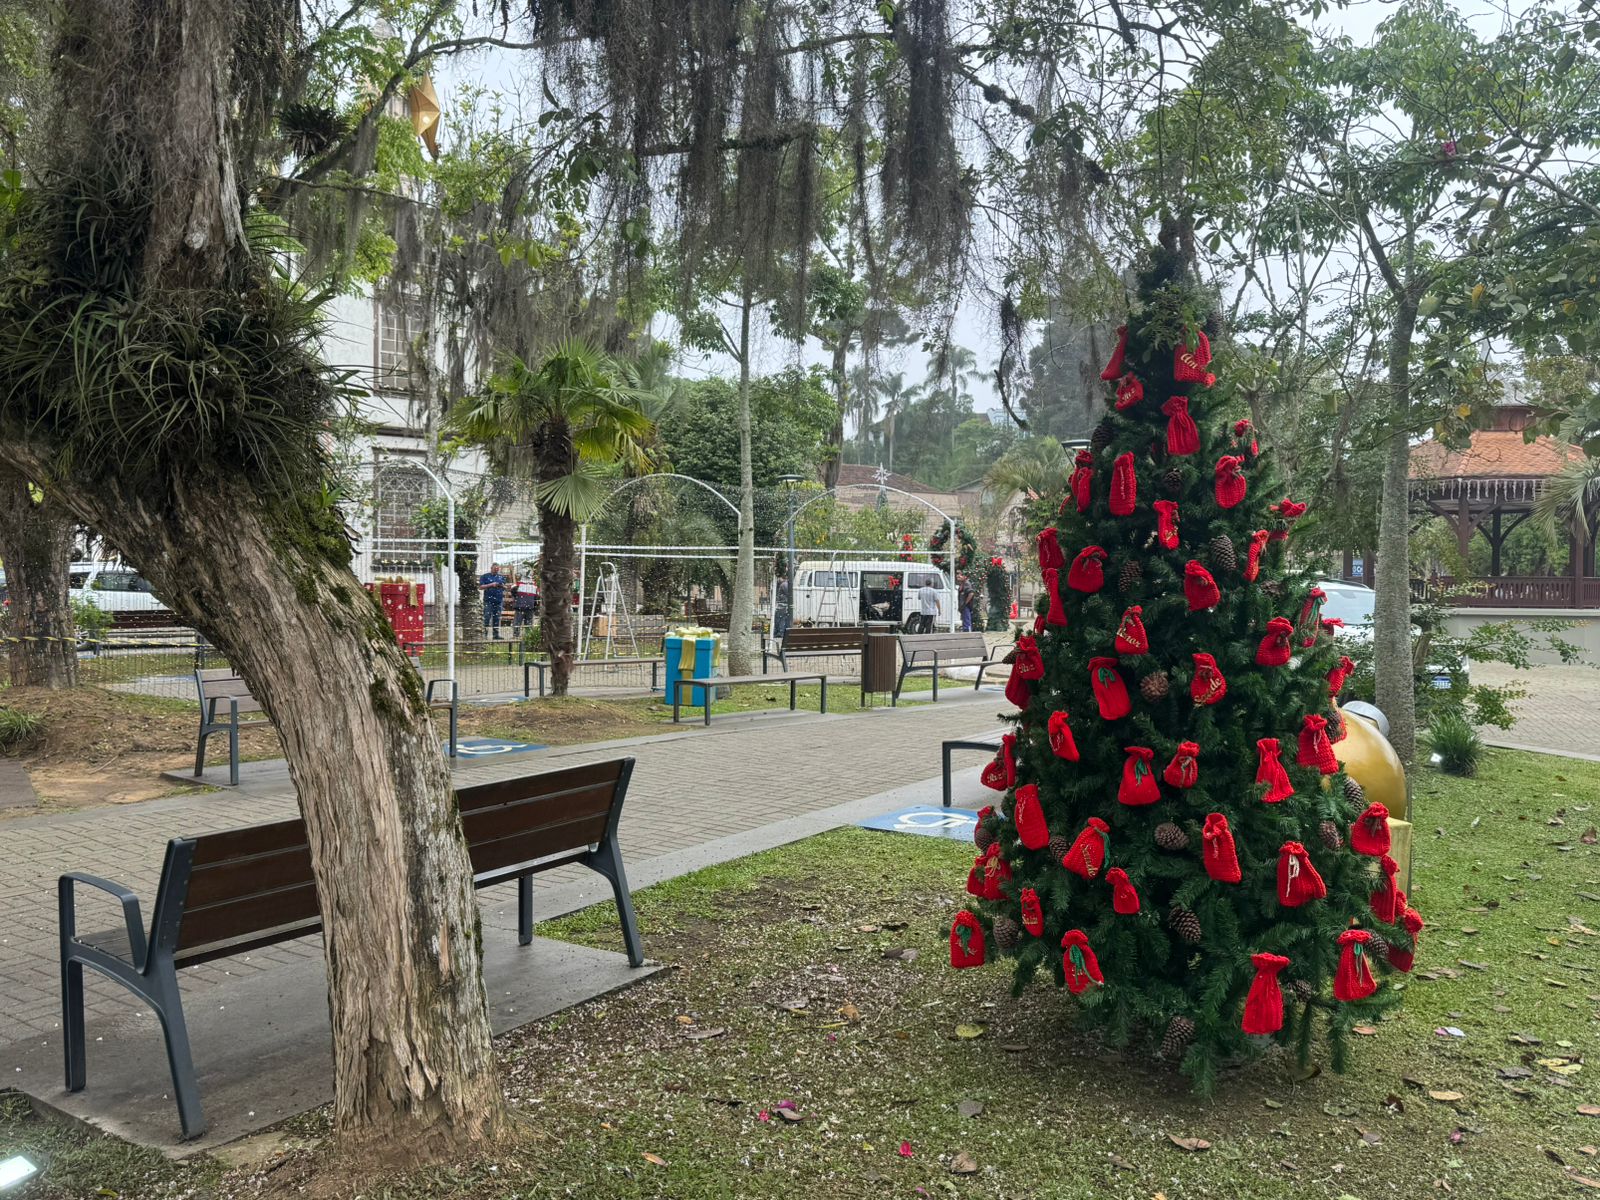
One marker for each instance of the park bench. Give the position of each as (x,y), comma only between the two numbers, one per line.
(988,746)
(712,682)
(227,893)
(542,666)
(830,641)
(219,686)
(933,652)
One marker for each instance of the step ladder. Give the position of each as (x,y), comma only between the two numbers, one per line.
(608,606)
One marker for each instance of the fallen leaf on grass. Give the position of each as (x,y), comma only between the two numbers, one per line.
(1525,1039)
(849,1012)
(1591,1151)
(1120,1163)
(700,1035)
(1364,1030)
(1513,1072)
(963,1164)
(1590,836)
(1584,1181)
(685,1020)
(970,1108)
(1397,1103)
(902,953)
(1192,1145)
(790,1115)
(1273,1103)
(1014,1047)
(1444,1097)
(1560,1066)
(1371,1138)
(1521,1093)
(968,1031)
(1589,1110)
(868,928)
(793,1004)
(1340,1108)
(1553,1156)
(655,1158)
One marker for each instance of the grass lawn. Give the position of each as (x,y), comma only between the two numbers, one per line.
(784,993)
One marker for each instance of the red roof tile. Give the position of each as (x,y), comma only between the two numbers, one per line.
(1493,454)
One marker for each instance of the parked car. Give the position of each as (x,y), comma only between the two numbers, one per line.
(1353,603)
(112,587)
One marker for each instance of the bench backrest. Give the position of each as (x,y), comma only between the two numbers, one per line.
(823,637)
(948,646)
(224,683)
(255,885)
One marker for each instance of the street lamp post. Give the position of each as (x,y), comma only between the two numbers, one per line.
(787,610)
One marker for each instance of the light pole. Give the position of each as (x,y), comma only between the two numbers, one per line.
(788,482)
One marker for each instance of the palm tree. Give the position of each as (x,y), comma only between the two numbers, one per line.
(1036,469)
(1570,501)
(896,399)
(560,423)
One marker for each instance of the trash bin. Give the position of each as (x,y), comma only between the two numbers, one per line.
(880,658)
(690,654)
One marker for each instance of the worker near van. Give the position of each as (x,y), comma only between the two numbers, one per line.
(929,605)
(492,583)
(524,600)
(964,600)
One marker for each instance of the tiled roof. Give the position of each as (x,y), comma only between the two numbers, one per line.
(860,474)
(1493,454)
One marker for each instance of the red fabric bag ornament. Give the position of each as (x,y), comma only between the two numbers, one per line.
(1353,980)
(1002,772)
(1138,784)
(966,941)
(1189,366)
(1131,636)
(1082,479)
(1339,674)
(1199,587)
(1079,962)
(1110,691)
(1032,914)
(1274,649)
(996,873)
(1062,743)
(1129,391)
(1124,486)
(1029,817)
(1269,770)
(984,814)
(1087,854)
(1263,1007)
(1331,625)
(1184,769)
(1208,686)
(1230,484)
(1027,665)
(1113,369)
(1038,624)
(1400,958)
(975,876)
(1310,617)
(1242,427)
(1315,749)
(1055,614)
(1388,902)
(1087,572)
(1252,556)
(1182,436)
(1050,556)
(1287,509)
(1221,857)
(1167,524)
(1124,899)
(1370,833)
(1298,880)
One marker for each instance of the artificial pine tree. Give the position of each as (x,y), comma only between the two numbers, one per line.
(1163,836)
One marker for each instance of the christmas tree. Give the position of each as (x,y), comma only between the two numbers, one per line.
(1176,843)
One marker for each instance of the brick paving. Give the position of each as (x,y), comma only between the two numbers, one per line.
(688,789)
(1561,711)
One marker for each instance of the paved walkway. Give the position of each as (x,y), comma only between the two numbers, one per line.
(689,789)
(1561,711)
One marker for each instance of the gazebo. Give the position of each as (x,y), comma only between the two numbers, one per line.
(1490,488)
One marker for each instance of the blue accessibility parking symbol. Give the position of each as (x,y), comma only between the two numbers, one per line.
(954,824)
(491,747)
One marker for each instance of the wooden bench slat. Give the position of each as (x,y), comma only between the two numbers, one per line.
(537,843)
(549,783)
(229,844)
(539,812)
(248,914)
(234,878)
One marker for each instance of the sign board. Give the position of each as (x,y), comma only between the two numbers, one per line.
(928,820)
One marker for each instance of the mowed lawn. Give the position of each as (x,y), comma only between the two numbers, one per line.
(813,1042)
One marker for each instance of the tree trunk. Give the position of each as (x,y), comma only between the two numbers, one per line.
(558,568)
(413,1064)
(741,645)
(1391,650)
(841,398)
(35,544)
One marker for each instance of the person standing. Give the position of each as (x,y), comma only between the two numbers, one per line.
(492,583)
(524,601)
(964,602)
(929,604)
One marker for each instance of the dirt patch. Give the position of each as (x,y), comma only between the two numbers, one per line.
(103,747)
(562,720)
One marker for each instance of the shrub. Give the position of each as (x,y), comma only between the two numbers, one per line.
(90,621)
(1456,744)
(19,731)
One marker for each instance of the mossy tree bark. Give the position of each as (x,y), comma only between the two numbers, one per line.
(35,543)
(158,106)
(556,457)
(741,642)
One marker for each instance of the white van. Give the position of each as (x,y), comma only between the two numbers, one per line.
(113,587)
(849,591)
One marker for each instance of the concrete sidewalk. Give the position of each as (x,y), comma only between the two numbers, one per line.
(697,798)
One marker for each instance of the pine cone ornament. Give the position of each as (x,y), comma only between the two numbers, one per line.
(1172,481)
(1213,325)
(1007,933)
(1222,553)
(1154,685)
(1302,990)
(1128,578)
(1353,792)
(984,835)
(1101,437)
(1171,837)
(1273,588)
(1180,1032)
(1331,837)
(1060,844)
(1185,924)
(1377,947)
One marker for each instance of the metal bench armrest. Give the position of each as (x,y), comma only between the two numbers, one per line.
(455,691)
(137,945)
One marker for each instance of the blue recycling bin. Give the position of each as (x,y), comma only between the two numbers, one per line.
(690,654)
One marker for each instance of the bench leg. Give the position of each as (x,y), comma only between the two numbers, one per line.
(185,1086)
(200,749)
(72,1022)
(524,910)
(455,712)
(233,745)
(936,683)
(824,694)
(608,861)
(709,693)
(527,681)
(677,700)
(946,749)
(894,697)
(794,695)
